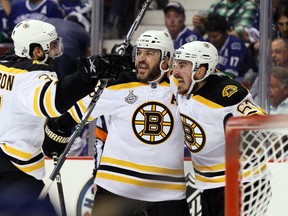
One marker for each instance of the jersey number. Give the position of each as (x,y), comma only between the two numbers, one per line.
(234,60)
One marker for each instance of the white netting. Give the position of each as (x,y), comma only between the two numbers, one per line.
(264,172)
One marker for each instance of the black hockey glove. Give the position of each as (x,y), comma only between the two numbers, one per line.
(55,139)
(97,67)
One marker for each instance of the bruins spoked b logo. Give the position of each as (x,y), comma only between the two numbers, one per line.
(195,137)
(152,123)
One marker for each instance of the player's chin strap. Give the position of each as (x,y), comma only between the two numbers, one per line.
(189,93)
(162,74)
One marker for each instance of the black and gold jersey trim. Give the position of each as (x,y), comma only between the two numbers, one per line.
(140,175)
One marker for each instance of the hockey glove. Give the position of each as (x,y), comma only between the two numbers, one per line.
(97,67)
(55,139)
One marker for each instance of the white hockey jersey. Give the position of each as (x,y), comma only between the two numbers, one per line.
(27,95)
(143,155)
(203,117)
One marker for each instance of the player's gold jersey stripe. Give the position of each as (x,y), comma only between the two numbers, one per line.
(206,102)
(12,151)
(217,167)
(31,168)
(83,109)
(145,168)
(127,85)
(12,70)
(74,115)
(48,101)
(36,102)
(127,180)
(209,179)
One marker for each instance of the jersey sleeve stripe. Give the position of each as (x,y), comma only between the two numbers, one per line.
(42,98)
(74,115)
(19,154)
(78,111)
(35,103)
(83,109)
(49,98)
(30,168)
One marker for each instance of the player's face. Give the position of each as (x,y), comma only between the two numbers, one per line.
(147,64)
(182,71)
(56,48)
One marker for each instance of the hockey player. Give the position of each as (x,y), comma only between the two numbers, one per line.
(29,93)
(206,99)
(141,169)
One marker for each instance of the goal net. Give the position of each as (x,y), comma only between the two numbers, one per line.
(257,166)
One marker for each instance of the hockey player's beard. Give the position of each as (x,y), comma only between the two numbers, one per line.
(152,75)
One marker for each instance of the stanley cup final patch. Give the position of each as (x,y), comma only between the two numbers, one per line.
(131,98)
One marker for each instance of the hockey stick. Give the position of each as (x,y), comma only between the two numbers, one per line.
(59,186)
(100,87)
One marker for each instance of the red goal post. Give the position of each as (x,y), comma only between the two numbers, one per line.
(256,149)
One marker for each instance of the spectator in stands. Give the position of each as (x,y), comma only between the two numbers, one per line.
(76,42)
(239,13)
(279,55)
(279,90)
(281,22)
(175,23)
(280,52)
(33,9)
(233,55)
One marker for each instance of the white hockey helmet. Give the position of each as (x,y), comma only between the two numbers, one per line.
(160,40)
(33,32)
(198,53)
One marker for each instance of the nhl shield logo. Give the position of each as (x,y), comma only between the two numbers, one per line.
(131,98)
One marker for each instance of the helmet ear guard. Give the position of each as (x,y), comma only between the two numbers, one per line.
(31,31)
